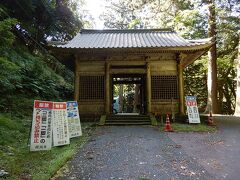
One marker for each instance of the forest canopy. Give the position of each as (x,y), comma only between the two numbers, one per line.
(28,71)
(191,20)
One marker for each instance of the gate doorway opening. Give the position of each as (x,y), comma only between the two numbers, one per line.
(128,94)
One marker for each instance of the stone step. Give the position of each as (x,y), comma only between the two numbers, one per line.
(116,115)
(128,120)
(128,117)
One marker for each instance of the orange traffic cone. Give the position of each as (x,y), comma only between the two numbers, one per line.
(168,125)
(210,120)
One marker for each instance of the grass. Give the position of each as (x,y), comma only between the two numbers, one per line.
(22,164)
(180,127)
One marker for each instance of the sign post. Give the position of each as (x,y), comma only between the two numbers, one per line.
(60,124)
(54,123)
(41,134)
(192,109)
(74,125)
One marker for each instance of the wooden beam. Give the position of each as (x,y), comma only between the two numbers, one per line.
(107,88)
(189,58)
(181,88)
(128,71)
(127,82)
(77,81)
(149,91)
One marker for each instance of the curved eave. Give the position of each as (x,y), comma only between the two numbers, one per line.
(66,55)
(179,49)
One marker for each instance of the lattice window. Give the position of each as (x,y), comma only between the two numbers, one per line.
(91,87)
(164,87)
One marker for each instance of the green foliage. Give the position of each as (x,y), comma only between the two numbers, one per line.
(195,84)
(8,75)
(121,15)
(227,42)
(22,164)
(226,84)
(25,76)
(5,120)
(28,72)
(189,19)
(6,36)
(143,14)
(190,24)
(42,19)
(227,23)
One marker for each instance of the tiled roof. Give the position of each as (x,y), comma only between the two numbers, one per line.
(134,38)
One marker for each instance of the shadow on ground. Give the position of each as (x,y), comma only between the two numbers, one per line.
(217,152)
(132,152)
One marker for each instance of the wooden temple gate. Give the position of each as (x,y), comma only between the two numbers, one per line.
(93,82)
(158,56)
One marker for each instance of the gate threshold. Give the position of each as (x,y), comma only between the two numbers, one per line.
(133,114)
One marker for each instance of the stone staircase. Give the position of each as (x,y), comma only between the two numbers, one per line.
(112,120)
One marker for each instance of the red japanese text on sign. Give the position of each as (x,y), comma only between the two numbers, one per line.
(43,104)
(59,105)
(41,134)
(191,103)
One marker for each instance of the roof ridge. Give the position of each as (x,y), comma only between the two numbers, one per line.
(88,31)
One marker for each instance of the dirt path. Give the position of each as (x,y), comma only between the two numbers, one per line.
(132,153)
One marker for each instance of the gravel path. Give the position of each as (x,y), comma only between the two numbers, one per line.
(218,153)
(133,152)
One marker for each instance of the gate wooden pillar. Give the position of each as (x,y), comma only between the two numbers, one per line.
(76,81)
(149,89)
(107,88)
(181,88)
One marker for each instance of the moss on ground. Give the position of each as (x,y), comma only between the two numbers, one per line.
(180,127)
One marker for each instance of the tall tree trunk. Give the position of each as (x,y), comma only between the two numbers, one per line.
(212,104)
(237,107)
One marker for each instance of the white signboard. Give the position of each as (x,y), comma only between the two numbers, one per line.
(41,134)
(60,124)
(192,109)
(74,125)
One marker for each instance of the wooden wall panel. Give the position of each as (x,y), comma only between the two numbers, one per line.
(91,107)
(91,68)
(160,64)
(162,57)
(124,63)
(164,107)
(164,67)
